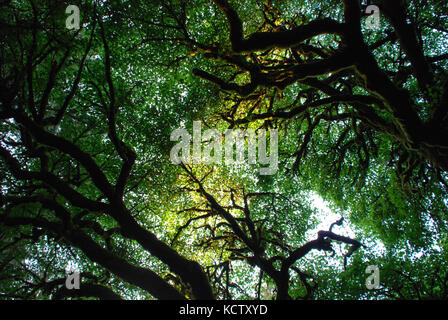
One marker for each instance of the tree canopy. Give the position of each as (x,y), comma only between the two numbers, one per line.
(87,182)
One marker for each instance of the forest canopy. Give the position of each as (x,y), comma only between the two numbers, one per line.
(353,115)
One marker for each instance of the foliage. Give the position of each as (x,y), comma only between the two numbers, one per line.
(86,177)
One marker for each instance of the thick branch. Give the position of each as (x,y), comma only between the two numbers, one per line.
(282,39)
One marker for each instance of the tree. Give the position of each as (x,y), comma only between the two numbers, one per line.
(84,147)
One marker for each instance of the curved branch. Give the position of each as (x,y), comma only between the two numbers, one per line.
(282,39)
